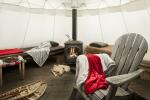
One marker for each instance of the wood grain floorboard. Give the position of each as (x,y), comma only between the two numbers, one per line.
(59,88)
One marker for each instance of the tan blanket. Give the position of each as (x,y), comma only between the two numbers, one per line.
(95,50)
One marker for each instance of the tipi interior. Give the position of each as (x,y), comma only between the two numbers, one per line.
(42,44)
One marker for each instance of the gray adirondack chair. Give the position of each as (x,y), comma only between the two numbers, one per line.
(127,53)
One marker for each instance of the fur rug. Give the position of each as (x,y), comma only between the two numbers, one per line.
(58,70)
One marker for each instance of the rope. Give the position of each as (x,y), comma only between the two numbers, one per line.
(50,4)
(44,3)
(123,18)
(100,26)
(20,2)
(53,34)
(107,3)
(26,2)
(124,22)
(99,20)
(29,4)
(27,26)
(147,9)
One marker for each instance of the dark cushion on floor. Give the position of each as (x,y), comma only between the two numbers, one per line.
(98,44)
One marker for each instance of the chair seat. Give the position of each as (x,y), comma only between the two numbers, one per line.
(101,93)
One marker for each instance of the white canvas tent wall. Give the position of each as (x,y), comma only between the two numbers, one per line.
(27,22)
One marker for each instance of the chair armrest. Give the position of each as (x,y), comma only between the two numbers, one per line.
(111,70)
(121,79)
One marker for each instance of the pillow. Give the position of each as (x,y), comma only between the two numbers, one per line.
(98,44)
(43,45)
(54,44)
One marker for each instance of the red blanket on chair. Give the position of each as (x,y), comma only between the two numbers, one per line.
(10,51)
(96,77)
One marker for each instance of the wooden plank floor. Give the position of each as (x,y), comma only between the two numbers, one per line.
(59,88)
(141,88)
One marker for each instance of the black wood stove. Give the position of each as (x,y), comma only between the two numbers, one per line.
(73,48)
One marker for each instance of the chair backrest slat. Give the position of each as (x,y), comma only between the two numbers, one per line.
(120,48)
(125,53)
(128,52)
(139,56)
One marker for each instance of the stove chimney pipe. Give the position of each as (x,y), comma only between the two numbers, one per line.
(74,24)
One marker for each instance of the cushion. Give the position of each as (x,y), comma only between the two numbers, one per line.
(10,51)
(95,50)
(98,44)
(54,44)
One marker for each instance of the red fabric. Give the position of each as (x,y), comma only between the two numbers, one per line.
(96,77)
(10,51)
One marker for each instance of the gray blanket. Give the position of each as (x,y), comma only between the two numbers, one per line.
(40,53)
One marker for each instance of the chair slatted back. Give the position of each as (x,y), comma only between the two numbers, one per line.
(128,52)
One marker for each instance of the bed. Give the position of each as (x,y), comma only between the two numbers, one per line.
(54,50)
(7,60)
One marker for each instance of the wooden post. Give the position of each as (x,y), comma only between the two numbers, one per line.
(20,68)
(23,69)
